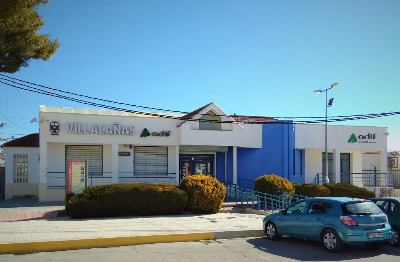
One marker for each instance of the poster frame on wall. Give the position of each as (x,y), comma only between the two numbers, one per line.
(76,172)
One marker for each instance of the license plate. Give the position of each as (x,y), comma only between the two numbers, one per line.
(375,235)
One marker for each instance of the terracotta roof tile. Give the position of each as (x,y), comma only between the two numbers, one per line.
(254,119)
(31,140)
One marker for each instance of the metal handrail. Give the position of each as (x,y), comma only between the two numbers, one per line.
(260,200)
(367,178)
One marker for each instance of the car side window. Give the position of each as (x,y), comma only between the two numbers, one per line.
(396,207)
(393,207)
(297,208)
(318,207)
(383,205)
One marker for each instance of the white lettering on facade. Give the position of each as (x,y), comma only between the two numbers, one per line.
(100,129)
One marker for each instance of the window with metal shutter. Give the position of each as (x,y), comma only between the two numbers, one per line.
(151,161)
(92,154)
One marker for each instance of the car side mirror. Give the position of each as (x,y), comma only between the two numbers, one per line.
(284,212)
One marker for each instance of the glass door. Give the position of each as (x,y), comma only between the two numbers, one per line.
(196,165)
(345,167)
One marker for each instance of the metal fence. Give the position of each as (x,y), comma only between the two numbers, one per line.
(396,178)
(56,180)
(260,200)
(368,178)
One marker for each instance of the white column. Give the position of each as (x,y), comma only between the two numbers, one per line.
(114,163)
(234,162)
(177,164)
(384,177)
(383,161)
(43,172)
(336,165)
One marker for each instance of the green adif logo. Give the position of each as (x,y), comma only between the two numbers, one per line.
(145,133)
(352,139)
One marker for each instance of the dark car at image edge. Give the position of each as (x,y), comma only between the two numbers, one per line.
(391,207)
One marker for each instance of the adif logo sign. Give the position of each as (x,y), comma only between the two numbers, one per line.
(368,138)
(352,139)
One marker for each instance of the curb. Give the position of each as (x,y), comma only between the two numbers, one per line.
(32,247)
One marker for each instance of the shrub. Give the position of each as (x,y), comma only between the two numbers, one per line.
(127,199)
(311,190)
(205,194)
(270,184)
(348,190)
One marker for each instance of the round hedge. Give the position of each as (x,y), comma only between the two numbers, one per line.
(127,199)
(311,190)
(205,194)
(270,184)
(349,190)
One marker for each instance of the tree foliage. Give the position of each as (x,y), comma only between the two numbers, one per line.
(19,40)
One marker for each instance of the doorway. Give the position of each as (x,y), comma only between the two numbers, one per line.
(345,167)
(196,165)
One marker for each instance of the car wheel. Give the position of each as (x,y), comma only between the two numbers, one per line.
(271,231)
(394,240)
(331,241)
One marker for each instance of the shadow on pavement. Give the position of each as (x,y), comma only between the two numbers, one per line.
(31,202)
(306,250)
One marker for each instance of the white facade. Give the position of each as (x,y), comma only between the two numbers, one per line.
(356,141)
(120,132)
(29,187)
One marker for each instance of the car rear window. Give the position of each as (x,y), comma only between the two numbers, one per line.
(361,208)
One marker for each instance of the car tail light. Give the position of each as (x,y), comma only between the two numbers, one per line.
(386,221)
(348,221)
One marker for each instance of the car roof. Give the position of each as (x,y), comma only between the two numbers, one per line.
(386,198)
(336,199)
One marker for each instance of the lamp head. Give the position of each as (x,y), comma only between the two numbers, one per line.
(334,85)
(318,91)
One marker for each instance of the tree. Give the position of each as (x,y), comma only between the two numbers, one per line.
(19,41)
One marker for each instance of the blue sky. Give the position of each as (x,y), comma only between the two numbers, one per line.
(249,57)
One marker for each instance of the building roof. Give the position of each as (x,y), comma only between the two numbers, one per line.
(195,112)
(252,119)
(31,140)
(105,112)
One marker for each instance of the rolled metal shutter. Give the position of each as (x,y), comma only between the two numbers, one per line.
(92,154)
(151,161)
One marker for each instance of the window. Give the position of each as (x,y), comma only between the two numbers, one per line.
(151,161)
(210,121)
(20,168)
(297,208)
(298,162)
(360,208)
(330,163)
(317,207)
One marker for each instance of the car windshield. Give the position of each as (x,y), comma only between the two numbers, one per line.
(361,208)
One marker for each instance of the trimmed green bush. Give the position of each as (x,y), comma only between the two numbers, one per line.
(270,184)
(311,190)
(348,190)
(205,194)
(127,199)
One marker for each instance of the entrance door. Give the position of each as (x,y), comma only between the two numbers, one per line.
(196,165)
(345,167)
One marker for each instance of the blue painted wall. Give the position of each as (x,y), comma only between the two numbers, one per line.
(275,157)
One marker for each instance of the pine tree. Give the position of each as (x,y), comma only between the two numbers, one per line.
(19,41)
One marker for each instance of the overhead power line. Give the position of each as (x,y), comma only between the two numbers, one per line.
(36,88)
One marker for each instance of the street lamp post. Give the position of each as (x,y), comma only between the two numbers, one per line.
(325,179)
